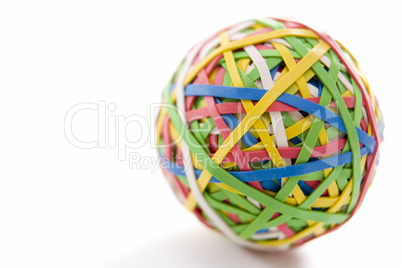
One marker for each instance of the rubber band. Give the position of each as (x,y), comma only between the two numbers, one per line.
(291,100)
(236,107)
(276,173)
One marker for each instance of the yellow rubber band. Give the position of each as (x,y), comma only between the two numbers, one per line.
(279,87)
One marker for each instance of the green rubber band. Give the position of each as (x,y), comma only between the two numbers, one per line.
(234,183)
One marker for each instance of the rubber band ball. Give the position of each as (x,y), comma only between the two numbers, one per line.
(269,133)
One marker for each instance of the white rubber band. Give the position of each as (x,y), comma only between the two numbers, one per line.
(189,169)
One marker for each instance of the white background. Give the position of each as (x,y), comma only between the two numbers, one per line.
(62,206)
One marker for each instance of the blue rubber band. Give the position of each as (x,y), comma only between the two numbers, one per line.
(232,122)
(274,173)
(255,94)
